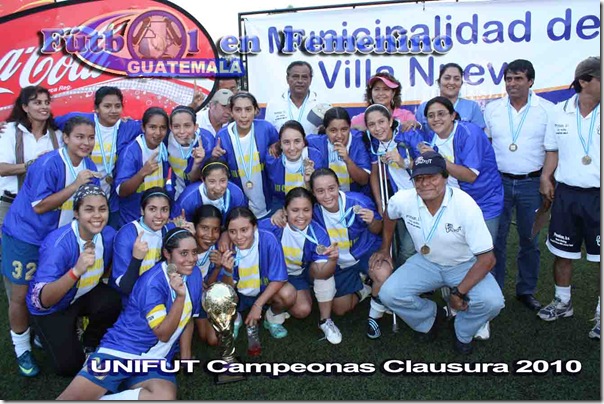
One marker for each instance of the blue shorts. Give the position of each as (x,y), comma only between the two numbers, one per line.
(348,280)
(19,260)
(300,282)
(120,381)
(202,313)
(245,302)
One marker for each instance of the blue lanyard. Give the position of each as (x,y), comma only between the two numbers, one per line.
(225,201)
(344,214)
(247,167)
(163,153)
(594,114)
(312,237)
(239,257)
(172,292)
(201,262)
(107,161)
(69,163)
(333,155)
(439,214)
(516,132)
(145,227)
(386,146)
(302,108)
(186,155)
(76,230)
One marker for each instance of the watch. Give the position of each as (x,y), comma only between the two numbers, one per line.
(462,296)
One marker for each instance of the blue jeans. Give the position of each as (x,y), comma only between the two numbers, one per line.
(525,196)
(401,293)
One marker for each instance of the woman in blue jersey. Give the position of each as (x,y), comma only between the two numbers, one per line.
(310,257)
(137,245)
(256,268)
(44,203)
(163,301)
(215,189)
(68,284)
(450,80)
(470,158)
(352,222)
(294,164)
(344,150)
(207,221)
(112,136)
(143,164)
(244,146)
(188,147)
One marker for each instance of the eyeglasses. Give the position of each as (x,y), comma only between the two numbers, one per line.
(437,114)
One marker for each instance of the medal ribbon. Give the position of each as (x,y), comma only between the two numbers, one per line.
(592,122)
(186,155)
(516,132)
(345,214)
(247,167)
(302,108)
(433,142)
(225,201)
(201,262)
(299,170)
(107,161)
(312,237)
(69,163)
(439,214)
(239,256)
(79,239)
(163,152)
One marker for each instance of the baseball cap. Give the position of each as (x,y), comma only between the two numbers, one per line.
(222,96)
(589,66)
(428,163)
(386,81)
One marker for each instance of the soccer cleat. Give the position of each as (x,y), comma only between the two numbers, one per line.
(463,348)
(483,332)
(27,364)
(373,329)
(331,331)
(277,330)
(555,310)
(595,332)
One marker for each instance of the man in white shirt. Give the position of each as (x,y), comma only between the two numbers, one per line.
(218,112)
(573,152)
(298,103)
(517,125)
(454,249)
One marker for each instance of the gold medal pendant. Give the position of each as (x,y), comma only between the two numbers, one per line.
(425,250)
(513,147)
(109,180)
(88,244)
(356,209)
(249,185)
(321,249)
(586,160)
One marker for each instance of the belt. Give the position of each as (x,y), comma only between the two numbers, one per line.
(523,176)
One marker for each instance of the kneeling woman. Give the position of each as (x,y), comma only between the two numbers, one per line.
(308,254)
(257,270)
(353,222)
(160,306)
(137,245)
(68,283)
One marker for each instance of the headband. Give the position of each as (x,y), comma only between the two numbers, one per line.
(215,163)
(177,232)
(157,193)
(184,108)
(87,190)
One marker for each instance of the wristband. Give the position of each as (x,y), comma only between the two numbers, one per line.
(73,275)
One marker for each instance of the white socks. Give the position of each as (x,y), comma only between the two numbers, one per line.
(325,289)
(563,293)
(21,342)
(376,308)
(123,395)
(274,318)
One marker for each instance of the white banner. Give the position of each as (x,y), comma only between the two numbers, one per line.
(481,36)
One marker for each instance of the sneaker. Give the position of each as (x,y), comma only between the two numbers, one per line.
(364,293)
(331,331)
(373,329)
(463,348)
(277,330)
(555,310)
(27,364)
(237,326)
(595,332)
(483,332)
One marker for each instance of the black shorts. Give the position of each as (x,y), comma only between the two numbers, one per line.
(575,218)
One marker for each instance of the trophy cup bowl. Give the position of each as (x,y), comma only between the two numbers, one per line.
(220,302)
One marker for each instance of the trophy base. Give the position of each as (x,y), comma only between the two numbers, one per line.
(227,377)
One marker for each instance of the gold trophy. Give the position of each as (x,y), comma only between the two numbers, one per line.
(220,302)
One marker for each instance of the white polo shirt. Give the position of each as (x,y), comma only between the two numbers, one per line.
(565,140)
(460,234)
(203,120)
(282,109)
(530,155)
(32,148)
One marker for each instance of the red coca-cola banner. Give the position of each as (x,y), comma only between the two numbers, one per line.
(71,82)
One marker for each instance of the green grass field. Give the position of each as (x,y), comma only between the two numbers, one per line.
(515,334)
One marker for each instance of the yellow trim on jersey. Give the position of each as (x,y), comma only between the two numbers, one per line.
(342,172)
(156,315)
(293,255)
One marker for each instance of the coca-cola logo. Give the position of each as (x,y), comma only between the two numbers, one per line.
(138,43)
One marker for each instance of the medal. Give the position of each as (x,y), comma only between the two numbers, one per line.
(384,159)
(109,180)
(425,250)
(306,162)
(171,269)
(513,147)
(88,244)
(586,160)
(249,185)
(321,249)
(356,209)
(516,131)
